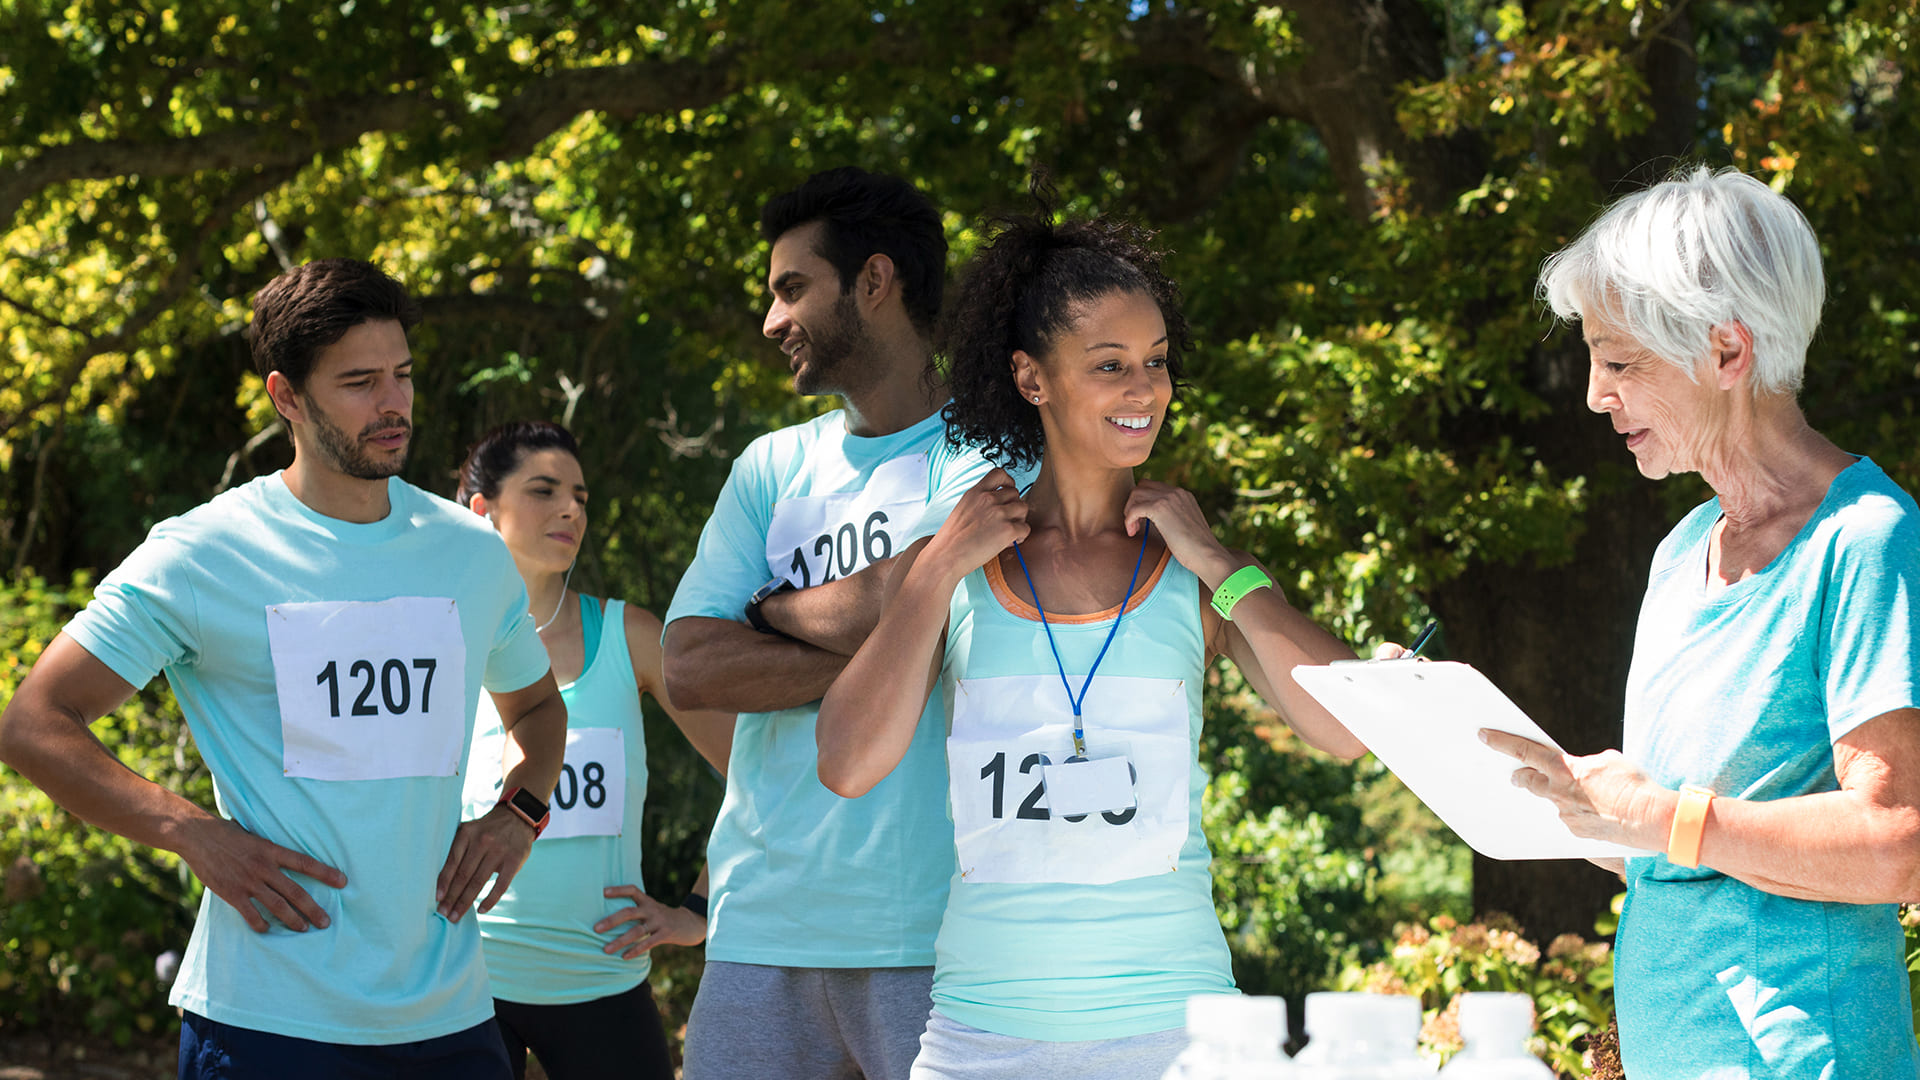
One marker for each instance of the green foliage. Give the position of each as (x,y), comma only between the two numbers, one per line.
(1314,860)
(1571,984)
(1910,922)
(84,913)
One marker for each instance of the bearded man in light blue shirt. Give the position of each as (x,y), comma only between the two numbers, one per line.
(327,630)
(823,910)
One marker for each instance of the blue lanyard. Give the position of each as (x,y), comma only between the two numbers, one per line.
(1079,729)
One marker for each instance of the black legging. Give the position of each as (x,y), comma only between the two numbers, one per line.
(609,1038)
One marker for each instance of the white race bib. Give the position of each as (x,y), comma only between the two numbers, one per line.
(589,800)
(591,797)
(1007,731)
(815,539)
(370,690)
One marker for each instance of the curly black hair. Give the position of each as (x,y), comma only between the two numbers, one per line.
(1020,292)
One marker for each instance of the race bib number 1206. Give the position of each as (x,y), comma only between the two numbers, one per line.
(815,539)
(370,690)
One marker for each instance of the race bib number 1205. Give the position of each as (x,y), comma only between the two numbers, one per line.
(370,690)
(1128,819)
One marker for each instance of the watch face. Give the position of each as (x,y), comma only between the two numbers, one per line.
(771,587)
(529,804)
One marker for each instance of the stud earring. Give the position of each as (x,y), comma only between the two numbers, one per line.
(1036,399)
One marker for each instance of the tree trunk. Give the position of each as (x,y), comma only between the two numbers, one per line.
(1558,640)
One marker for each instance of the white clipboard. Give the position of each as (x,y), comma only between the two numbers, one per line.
(1422,719)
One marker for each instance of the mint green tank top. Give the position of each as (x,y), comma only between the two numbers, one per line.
(1100,925)
(539,940)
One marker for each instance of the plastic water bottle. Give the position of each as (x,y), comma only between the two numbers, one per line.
(1495,1028)
(1362,1037)
(1231,1037)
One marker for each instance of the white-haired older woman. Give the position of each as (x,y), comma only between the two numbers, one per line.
(1772,741)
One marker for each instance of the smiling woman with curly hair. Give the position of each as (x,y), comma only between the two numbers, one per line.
(1068,629)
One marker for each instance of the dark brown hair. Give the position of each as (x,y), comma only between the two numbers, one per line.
(312,306)
(500,451)
(863,214)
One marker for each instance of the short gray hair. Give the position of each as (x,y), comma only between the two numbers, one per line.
(1694,252)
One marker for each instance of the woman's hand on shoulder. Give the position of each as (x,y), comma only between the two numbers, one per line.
(654,923)
(1175,514)
(988,518)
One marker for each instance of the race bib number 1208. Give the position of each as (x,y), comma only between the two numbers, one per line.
(590,798)
(370,690)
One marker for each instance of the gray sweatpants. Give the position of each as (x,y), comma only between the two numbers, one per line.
(753,1022)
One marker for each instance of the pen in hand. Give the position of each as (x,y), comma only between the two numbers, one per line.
(1421,641)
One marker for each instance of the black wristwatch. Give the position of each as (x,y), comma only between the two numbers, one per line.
(754,618)
(529,808)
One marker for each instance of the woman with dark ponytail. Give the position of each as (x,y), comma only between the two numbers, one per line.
(568,946)
(1069,629)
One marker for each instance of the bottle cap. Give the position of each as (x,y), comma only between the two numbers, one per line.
(1500,1019)
(1382,1019)
(1237,1018)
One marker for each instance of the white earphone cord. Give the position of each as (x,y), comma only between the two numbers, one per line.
(561,604)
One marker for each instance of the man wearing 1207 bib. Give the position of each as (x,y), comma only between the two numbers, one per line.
(823,910)
(327,631)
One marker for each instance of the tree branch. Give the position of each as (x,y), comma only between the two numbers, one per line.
(42,455)
(542,108)
(36,314)
(506,310)
(245,453)
(177,282)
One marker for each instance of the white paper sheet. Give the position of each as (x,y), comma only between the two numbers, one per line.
(1422,719)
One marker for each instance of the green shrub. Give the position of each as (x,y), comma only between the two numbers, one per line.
(1571,984)
(1314,861)
(83,913)
(1910,920)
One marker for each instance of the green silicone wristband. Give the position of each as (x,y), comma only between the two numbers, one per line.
(1238,584)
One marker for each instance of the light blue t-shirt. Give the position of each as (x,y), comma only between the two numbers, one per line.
(212,598)
(539,940)
(1047,934)
(1743,689)
(800,876)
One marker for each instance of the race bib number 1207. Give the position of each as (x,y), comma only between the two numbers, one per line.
(370,690)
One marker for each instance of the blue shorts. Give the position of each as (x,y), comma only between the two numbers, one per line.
(210,1050)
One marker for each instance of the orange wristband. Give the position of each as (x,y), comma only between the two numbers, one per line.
(1689,824)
